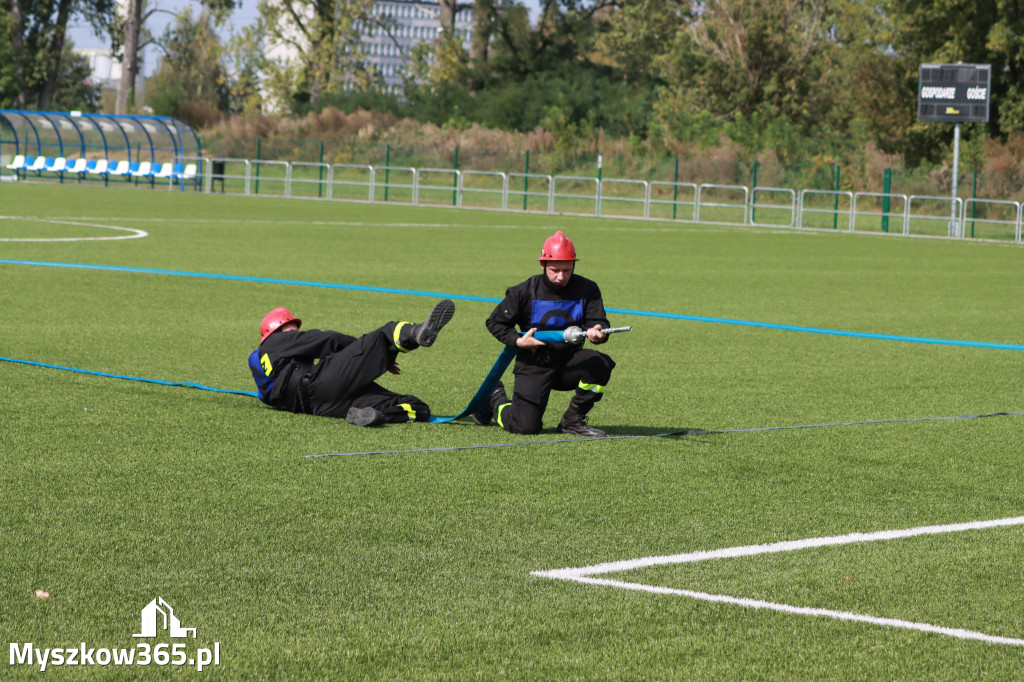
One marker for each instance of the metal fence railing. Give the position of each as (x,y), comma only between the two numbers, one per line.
(915,214)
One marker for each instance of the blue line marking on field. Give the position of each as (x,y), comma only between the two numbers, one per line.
(817,330)
(487,299)
(247,278)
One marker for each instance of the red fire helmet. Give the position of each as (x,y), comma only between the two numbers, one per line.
(274,319)
(558,247)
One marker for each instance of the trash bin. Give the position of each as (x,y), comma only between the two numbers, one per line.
(217,174)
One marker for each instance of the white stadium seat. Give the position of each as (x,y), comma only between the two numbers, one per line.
(119,168)
(55,165)
(76,166)
(163,171)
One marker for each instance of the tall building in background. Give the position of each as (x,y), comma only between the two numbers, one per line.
(105,69)
(408,23)
(386,40)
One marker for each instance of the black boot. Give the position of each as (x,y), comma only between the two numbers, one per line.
(365,416)
(484,415)
(425,334)
(572,422)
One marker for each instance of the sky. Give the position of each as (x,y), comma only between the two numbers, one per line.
(83,37)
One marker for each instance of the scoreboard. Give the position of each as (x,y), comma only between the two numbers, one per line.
(958,93)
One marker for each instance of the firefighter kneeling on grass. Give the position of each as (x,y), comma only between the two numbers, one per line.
(329,374)
(553,300)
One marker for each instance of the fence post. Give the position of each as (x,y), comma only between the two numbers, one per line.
(259,148)
(974,204)
(886,190)
(675,190)
(455,178)
(600,163)
(387,168)
(835,202)
(754,192)
(320,185)
(526,180)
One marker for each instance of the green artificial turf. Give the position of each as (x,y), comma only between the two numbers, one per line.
(418,565)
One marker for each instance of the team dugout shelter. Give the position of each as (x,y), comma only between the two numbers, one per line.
(97,146)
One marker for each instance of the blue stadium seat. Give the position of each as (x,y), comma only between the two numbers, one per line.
(163,171)
(76,166)
(119,168)
(55,164)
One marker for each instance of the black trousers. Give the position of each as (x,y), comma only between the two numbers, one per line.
(586,373)
(347,379)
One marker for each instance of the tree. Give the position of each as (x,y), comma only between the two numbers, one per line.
(950,31)
(771,74)
(129,32)
(246,57)
(35,31)
(518,76)
(483,19)
(55,52)
(313,46)
(191,82)
(130,57)
(17,26)
(9,87)
(74,91)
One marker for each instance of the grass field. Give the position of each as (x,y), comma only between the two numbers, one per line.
(420,565)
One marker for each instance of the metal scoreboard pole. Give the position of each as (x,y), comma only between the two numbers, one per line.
(956,93)
(954,222)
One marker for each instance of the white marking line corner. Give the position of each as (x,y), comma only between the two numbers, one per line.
(584,575)
(132,232)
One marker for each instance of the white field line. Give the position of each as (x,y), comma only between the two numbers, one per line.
(674,227)
(375,223)
(133,233)
(584,575)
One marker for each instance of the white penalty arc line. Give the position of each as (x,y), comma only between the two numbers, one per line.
(424,225)
(133,233)
(585,575)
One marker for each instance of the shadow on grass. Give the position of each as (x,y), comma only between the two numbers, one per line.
(546,436)
(650,431)
(613,430)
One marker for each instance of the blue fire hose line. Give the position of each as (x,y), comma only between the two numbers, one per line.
(483,393)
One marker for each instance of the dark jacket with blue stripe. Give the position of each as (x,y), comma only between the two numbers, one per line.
(537,303)
(285,357)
